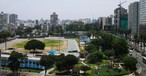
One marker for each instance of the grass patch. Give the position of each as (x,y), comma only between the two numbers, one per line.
(31,70)
(77,39)
(78,65)
(91,73)
(21,44)
(108,71)
(104,62)
(54,72)
(50,43)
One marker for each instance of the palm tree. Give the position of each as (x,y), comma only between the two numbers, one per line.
(4,35)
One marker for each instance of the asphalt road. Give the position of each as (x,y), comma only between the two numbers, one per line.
(140,64)
(9,43)
(72,45)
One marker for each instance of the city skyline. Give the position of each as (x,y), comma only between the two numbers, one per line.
(66,9)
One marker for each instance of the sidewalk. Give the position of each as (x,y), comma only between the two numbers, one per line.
(48,71)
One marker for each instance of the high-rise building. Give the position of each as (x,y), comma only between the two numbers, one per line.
(120,19)
(105,23)
(13,18)
(4,20)
(133,18)
(102,22)
(142,16)
(53,21)
(8,22)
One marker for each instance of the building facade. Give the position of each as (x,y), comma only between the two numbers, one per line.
(142,16)
(6,20)
(133,18)
(102,22)
(13,18)
(53,21)
(120,18)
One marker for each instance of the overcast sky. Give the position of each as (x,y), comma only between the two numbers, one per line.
(66,9)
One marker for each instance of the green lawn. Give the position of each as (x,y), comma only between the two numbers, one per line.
(31,70)
(77,39)
(105,71)
(21,44)
(48,43)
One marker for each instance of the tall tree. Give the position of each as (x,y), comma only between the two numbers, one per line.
(4,35)
(130,62)
(47,61)
(97,42)
(106,40)
(34,44)
(95,57)
(70,61)
(66,62)
(120,47)
(60,62)
(90,48)
(14,61)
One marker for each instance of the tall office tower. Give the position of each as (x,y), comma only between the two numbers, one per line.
(1,21)
(4,20)
(53,21)
(142,16)
(8,22)
(120,19)
(13,18)
(133,18)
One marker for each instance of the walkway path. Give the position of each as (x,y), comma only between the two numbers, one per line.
(48,71)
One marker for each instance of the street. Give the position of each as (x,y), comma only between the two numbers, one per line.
(9,43)
(141,65)
(72,45)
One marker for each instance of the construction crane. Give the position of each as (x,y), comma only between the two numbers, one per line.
(121,3)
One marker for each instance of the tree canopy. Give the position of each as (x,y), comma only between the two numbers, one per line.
(15,59)
(66,62)
(95,57)
(120,47)
(34,44)
(130,62)
(90,48)
(47,61)
(4,35)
